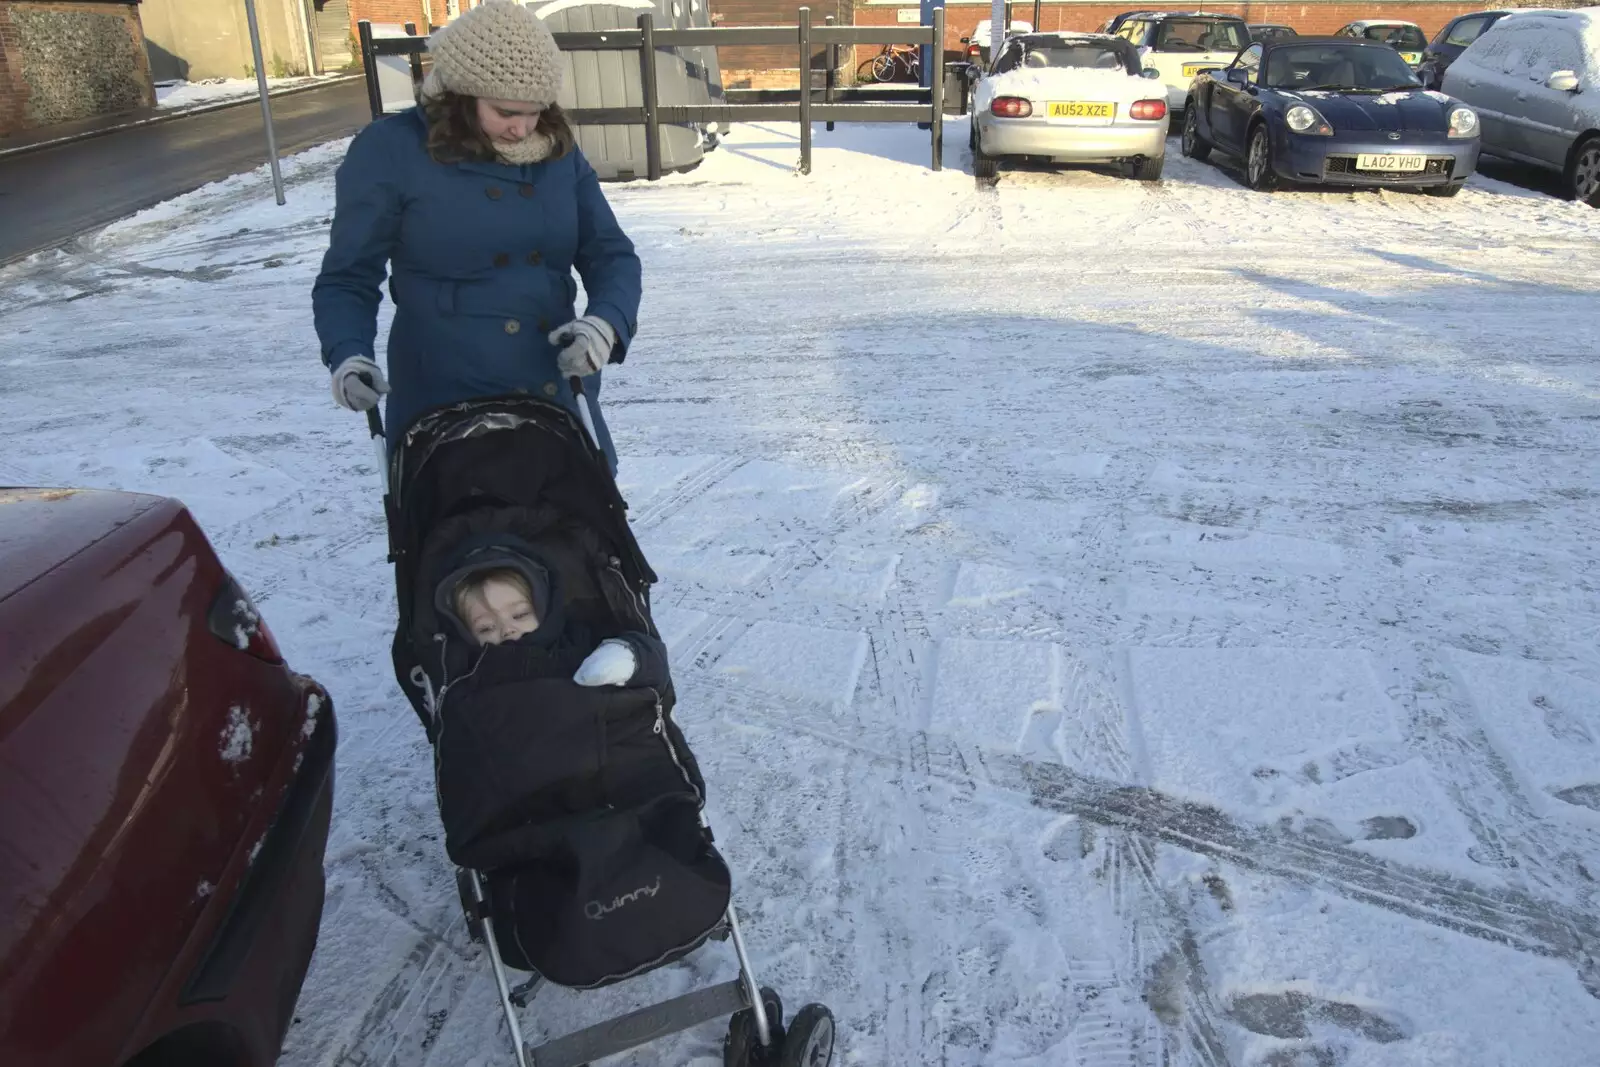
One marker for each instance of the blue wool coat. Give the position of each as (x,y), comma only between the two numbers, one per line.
(480,259)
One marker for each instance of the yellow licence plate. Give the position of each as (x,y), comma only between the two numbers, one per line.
(1085,110)
(1191,69)
(1412,58)
(1391,163)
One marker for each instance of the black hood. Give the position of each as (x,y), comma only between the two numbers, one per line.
(496,552)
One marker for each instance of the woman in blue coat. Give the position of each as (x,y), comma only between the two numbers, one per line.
(478,204)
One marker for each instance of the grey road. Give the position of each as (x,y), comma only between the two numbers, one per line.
(51,195)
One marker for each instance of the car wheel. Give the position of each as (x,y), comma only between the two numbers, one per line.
(1194,146)
(1444,190)
(1258,172)
(1145,170)
(1583,172)
(984,167)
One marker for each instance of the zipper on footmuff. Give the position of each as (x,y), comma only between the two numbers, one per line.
(660,730)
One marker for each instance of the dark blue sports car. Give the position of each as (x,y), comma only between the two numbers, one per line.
(1331,111)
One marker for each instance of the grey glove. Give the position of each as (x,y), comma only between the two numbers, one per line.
(349,391)
(588,343)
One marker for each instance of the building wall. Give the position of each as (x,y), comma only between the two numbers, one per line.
(60,62)
(198,39)
(746,67)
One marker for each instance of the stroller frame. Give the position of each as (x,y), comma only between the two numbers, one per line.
(623,1032)
(756,1035)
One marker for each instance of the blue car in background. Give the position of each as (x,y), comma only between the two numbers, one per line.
(1331,111)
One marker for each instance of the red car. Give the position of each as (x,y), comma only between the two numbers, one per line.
(165,790)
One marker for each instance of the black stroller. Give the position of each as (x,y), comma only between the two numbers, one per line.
(574,814)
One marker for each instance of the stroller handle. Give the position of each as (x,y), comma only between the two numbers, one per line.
(585,416)
(375,428)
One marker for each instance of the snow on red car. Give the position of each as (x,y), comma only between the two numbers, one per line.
(166,785)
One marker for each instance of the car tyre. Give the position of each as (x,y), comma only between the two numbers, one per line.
(1583,172)
(1450,189)
(1194,146)
(1145,170)
(984,167)
(1258,172)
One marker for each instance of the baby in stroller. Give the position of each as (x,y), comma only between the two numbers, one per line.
(498,595)
(572,805)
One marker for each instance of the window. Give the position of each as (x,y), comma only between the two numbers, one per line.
(1250,60)
(1010,57)
(1043,55)
(1466,31)
(1201,35)
(1405,38)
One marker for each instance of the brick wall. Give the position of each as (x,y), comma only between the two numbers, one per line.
(395,13)
(744,67)
(65,61)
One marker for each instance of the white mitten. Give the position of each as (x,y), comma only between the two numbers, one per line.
(587,346)
(349,389)
(613,663)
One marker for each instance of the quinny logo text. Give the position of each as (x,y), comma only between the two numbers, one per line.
(596,910)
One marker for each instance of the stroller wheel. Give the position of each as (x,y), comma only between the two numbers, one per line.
(742,1047)
(469,905)
(809,1042)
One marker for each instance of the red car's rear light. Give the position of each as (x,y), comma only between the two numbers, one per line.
(1149,109)
(974,51)
(1011,107)
(233,618)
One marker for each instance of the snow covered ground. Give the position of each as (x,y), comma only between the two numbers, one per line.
(217,90)
(1121,625)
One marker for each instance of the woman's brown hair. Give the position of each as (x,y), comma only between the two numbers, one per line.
(454,135)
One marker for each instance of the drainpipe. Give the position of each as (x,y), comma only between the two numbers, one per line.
(313,61)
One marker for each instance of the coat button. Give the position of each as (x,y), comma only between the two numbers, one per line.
(534,259)
(502,260)
(549,388)
(492,192)
(512,326)
(525,189)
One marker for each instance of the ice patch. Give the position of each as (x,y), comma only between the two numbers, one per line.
(803,662)
(853,575)
(917,507)
(1228,548)
(982,584)
(1209,718)
(644,479)
(238,736)
(1373,989)
(991,692)
(676,625)
(1545,723)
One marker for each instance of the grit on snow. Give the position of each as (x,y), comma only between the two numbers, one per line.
(1121,625)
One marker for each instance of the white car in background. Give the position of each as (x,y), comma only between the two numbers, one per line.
(1406,38)
(1069,98)
(1534,80)
(1180,44)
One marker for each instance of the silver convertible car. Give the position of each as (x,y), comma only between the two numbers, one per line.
(1069,98)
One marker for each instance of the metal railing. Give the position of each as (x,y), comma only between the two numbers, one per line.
(836,105)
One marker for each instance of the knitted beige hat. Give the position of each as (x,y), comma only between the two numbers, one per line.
(499,50)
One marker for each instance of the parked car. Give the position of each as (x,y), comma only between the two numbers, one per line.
(1331,111)
(1077,98)
(1450,42)
(1180,44)
(1114,23)
(1266,31)
(164,798)
(978,44)
(1406,38)
(1533,79)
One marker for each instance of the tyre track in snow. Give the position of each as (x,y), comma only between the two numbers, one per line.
(1502,915)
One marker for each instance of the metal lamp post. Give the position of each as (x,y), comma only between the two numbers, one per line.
(266,103)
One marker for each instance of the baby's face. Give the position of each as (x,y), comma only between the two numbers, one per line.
(500,612)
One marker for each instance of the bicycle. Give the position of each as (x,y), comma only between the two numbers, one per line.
(888,65)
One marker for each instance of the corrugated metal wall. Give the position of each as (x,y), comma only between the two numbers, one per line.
(611,79)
